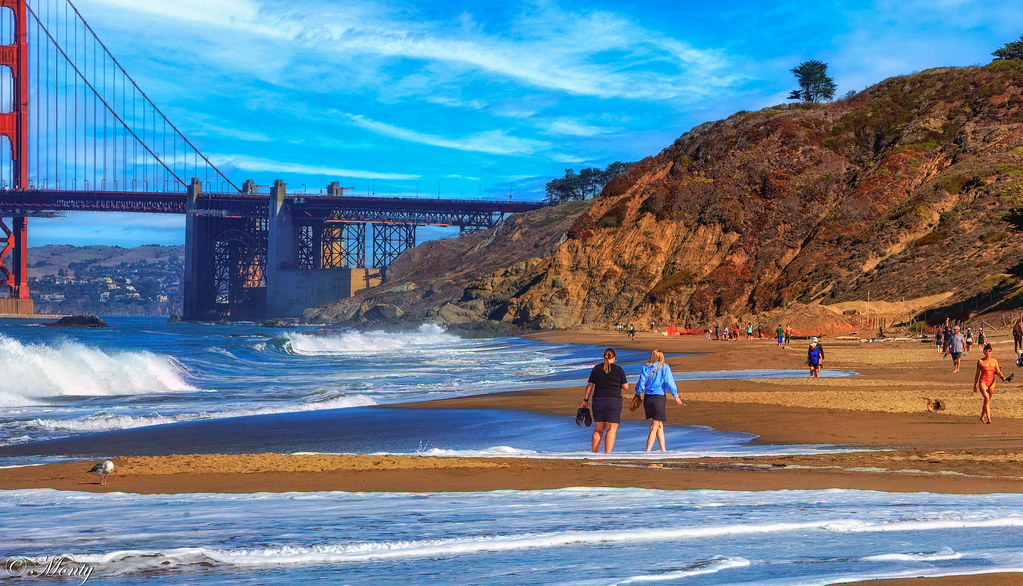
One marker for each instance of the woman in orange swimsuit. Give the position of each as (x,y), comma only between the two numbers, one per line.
(984,381)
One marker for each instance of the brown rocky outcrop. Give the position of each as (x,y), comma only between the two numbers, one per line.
(431,282)
(910,188)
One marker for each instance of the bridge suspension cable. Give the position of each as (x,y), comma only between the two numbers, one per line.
(90,126)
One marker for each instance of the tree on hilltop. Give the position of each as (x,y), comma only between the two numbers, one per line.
(586,184)
(1010,50)
(815,85)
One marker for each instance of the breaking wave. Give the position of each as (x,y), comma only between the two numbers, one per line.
(70,368)
(427,337)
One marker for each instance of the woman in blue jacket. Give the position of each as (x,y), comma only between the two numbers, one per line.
(654,379)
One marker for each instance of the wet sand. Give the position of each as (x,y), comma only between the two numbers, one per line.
(884,409)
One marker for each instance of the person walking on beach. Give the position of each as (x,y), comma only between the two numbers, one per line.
(654,379)
(984,381)
(981,338)
(969,341)
(632,332)
(605,386)
(956,345)
(937,338)
(815,358)
(780,333)
(1017,336)
(749,331)
(788,334)
(946,338)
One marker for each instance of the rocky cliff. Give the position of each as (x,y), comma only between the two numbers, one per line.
(910,188)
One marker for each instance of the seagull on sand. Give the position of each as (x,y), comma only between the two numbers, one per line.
(102,469)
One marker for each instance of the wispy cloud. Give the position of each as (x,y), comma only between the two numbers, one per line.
(494,142)
(247,163)
(593,53)
(570,127)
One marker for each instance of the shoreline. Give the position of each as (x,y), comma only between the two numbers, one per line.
(884,408)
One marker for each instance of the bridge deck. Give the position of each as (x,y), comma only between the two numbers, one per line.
(419,211)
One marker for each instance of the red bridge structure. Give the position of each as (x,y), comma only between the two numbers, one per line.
(82,136)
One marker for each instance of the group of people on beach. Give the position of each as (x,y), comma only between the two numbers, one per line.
(629,329)
(783,335)
(717,332)
(603,397)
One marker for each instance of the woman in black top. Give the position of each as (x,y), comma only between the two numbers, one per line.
(605,386)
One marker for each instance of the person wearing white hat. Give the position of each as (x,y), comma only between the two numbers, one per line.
(815,358)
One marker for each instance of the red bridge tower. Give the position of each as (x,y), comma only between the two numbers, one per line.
(14,126)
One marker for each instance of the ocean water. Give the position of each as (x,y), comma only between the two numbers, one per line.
(568,536)
(144,386)
(143,372)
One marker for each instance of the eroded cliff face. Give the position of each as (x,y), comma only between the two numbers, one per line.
(907,189)
(424,283)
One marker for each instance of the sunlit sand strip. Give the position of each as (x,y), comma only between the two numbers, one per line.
(270,462)
(885,399)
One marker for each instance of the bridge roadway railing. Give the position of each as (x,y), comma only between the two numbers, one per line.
(396,210)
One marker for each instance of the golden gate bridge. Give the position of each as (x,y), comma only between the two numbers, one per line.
(80,135)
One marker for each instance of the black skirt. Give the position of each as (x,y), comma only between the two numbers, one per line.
(654,405)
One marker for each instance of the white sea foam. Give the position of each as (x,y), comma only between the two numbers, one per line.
(427,337)
(945,553)
(930,525)
(72,368)
(712,566)
(131,561)
(453,547)
(621,455)
(106,421)
(429,548)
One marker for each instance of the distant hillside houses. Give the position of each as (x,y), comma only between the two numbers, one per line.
(107,280)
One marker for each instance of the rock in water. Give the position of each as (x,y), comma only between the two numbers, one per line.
(79,321)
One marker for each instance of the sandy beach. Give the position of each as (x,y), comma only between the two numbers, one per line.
(883,410)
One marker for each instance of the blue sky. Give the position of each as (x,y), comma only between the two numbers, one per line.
(479,99)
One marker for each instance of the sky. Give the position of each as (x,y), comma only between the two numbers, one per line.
(486,99)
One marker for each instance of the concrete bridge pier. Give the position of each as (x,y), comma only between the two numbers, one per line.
(199,296)
(306,263)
